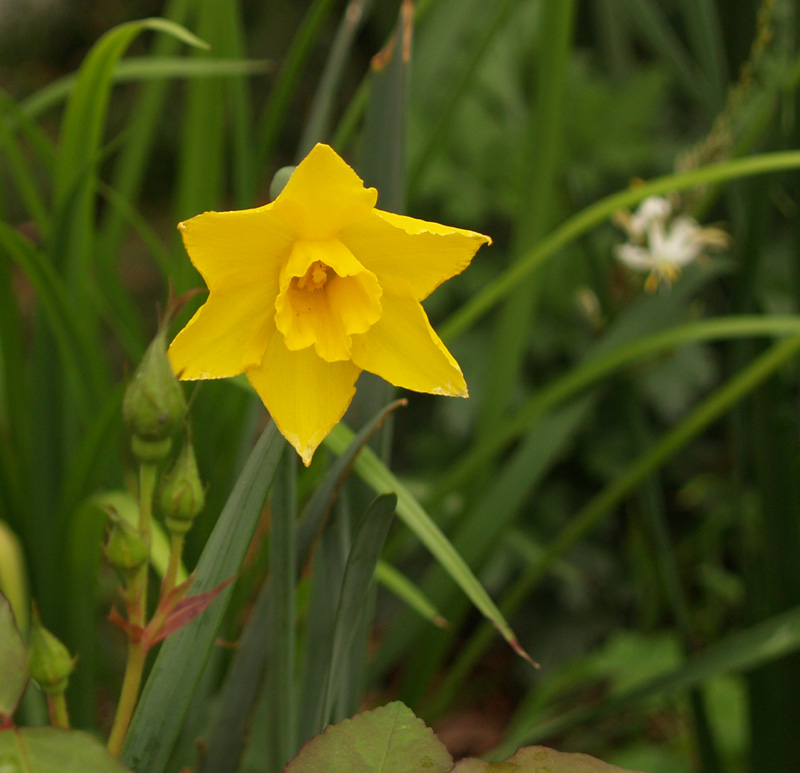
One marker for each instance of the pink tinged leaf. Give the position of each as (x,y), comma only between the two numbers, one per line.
(134,632)
(185,611)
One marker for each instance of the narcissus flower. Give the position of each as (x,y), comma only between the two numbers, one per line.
(308,291)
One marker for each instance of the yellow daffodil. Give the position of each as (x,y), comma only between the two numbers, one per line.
(308,291)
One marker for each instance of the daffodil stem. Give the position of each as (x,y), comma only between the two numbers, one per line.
(57,711)
(137,616)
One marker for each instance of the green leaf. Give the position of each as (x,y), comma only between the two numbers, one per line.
(538,758)
(317,125)
(600,212)
(13,662)
(50,750)
(359,570)
(409,593)
(229,725)
(743,650)
(383,162)
(386,739)
(179,666)
(82,130)
(147,69)
(380,478)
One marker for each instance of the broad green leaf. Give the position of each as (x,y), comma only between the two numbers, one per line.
(383,740)
(538,758)
(180,663)
(13,662)
(51,750)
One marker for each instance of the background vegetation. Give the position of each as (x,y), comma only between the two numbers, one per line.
(624,479)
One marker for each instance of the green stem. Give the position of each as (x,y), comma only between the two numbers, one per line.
(57,711)
(604,503)
(128,697)
(137,616)
(598,213)
(175,554)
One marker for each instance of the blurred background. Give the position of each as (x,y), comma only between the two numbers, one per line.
(642,538)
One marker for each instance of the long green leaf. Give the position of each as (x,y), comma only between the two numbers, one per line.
(281,635)
(180,663)
(741,651)
(596,368)
(601,211)
(359,570)
(711,409)
(135,69)
(381,480)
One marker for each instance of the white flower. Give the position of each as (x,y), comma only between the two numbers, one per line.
(662,247)
(654,209)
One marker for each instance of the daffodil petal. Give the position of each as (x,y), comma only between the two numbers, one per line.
(403,348)
(228,244)
(222,338)
(305,395)
(423,254)
(323,195)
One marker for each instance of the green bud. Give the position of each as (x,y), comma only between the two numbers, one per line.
(49,661)
(154,405)
(279,180)
(181,496)
(125,549)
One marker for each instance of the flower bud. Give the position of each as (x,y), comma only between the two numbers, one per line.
(181,496)
(49,661)
(125,549)
(154,405)
(279,180)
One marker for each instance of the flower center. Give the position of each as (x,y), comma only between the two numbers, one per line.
(325,297)
(315,278)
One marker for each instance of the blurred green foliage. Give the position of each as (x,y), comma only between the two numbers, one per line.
(521,113)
